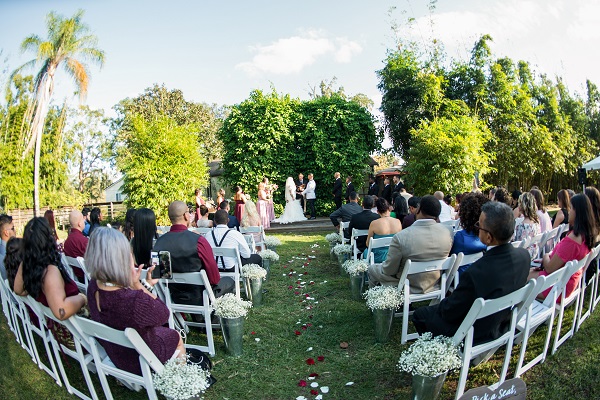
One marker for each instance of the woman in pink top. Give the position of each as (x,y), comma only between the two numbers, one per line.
(575,246)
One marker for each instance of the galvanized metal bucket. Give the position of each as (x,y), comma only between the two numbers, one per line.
(253,289)
(383,319)
(427,387)
(233,331)
(356,286)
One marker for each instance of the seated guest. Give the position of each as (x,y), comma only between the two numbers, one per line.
(502,270)
(425,240)
(575,246)
(503,196)
(190,252)
(14,258)
(42,275)
(86,215)
(7,231)
(222,236)
(594,196)
(529,226)
(346,211)
(413,206)
(95,218)
(49,215)
(562,215)
(233,221)
(514,204)
(446,213)
(363,220)
(250,218)
(400,207)
(543,216)
(385,226)
(120,300)
(76,242)
(128,229)
(144,236)
(467,241)
(203,221)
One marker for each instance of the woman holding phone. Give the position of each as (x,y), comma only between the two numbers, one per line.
(144,235)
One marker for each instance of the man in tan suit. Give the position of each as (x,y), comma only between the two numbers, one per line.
(424,240)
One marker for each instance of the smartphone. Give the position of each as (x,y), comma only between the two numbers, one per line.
(163,265)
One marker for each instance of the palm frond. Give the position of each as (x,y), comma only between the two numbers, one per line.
(93,54)
(79,72)
(30,43)
(46,50)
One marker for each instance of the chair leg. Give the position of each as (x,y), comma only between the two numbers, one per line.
(404,322)
(464,371)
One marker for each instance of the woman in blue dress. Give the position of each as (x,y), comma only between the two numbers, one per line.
(467,240)
(386,226)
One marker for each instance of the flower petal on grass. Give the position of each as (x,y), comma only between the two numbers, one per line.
(301,398)
(298,333)
(321,358)
(309,349)
(349,383)
(325,389)
(314,384)
(310,361)
(302,383)
(319,397)
(257,339)
(314,374)
(314,392)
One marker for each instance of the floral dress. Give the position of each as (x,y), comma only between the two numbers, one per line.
(525,231)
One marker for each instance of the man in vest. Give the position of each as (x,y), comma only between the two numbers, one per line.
(190,252)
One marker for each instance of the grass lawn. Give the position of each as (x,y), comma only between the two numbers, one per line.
(275,356)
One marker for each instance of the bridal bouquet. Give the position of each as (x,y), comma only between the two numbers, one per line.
(340,249)
(229,306)
(383,298)
(180,380)
(272,241)
(355,267)
(269,255)
(333,238)
(253,271)
(430,356)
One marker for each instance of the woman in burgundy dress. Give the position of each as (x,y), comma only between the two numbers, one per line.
(119,299)
(240,202)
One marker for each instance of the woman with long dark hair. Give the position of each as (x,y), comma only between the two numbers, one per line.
(144,233)
(466,240)
(575,246)
(13,258)
(564,203)
(42,274)
(49,215)
(95,218)
(594,195)
(128,230)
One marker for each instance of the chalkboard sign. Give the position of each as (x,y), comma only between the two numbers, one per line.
(513,389)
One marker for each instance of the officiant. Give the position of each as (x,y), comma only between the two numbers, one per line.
(300,186)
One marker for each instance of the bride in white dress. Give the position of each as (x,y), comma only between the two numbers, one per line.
(293,211)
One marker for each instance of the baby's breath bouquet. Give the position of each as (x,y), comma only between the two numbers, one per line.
(253,271)
(272,241)
(383,298)
(269,255)
(430,356)
(355,267)
(180,380)
(229,306)
(340,249)
(333,238)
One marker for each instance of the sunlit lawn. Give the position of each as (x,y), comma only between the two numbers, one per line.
(275,356)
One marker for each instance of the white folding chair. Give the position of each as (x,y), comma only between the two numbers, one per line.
(18,317)
(480,309)
(85,359)
(79,263)
(208,298)
(356,233)
(93,332)
(417,267)
(535,242)
(596,295)
(231,252)
(565,301)
(562,228)
(378,243)
(256,229)
(251,243)
(42,331)
(163,229)
(344,225)
(549,241)
(202,231)
(582,316)
(534,313)
(461,260)
(451,224)
(6,306)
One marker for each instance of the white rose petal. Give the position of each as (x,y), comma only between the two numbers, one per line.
(301,398)
(309,349)
(311,378)
(325,389)
(349,383)
(319,397)
(257,339)
(314,384)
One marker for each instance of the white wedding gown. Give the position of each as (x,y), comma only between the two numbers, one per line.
(293,211)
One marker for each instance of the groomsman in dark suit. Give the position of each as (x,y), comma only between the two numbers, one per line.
(300,185)
(373,187)
(337,190)
(397,184)
(387,190)
(349,187)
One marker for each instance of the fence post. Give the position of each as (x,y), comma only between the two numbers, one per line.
(112,216)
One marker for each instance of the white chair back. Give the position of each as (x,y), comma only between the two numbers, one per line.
(79,263)
(378,243)
(202,231)
(233,253)
(356,233)
(344,225)
(255,229)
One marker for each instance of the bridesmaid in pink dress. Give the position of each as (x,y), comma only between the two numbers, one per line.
(240,201)
(199,202)
(269,189)
(263,206)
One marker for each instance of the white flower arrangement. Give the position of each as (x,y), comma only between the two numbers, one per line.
(333,238)
(229,306)
(253,271)
(272,241)
(430,356)
(269,255)
(340,249)
(383,298)
(180,380)
(355,267)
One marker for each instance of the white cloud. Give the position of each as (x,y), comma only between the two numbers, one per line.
(291,55)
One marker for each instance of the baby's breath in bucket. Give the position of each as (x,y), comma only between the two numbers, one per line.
(180,380)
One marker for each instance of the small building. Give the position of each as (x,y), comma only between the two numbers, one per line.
(114,192)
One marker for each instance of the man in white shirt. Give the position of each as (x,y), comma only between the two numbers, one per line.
(222,236)
(311,196)
(447,211)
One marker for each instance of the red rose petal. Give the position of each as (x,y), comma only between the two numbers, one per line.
(307,295)
(309,324)
(302,383)
(298,333)
(296,292)
(306,273)
(253,333)
(310,316)
(304,327)
(321,358)
(314,392)
(305,264)
(290,287)
(314,375)
(310,361)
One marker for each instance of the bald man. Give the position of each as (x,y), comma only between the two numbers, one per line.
(76,242)
(190,252)
(447,211)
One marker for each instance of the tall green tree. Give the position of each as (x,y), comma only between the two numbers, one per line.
(68,45)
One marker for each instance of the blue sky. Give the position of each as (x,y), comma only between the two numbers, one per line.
(217,52)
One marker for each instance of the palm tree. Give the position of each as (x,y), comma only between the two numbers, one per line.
(69,41)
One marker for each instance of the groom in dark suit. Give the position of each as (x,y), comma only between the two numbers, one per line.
(349,187)
(502,270)
(386,193)
(373,187)
(300,185)
(337,190)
